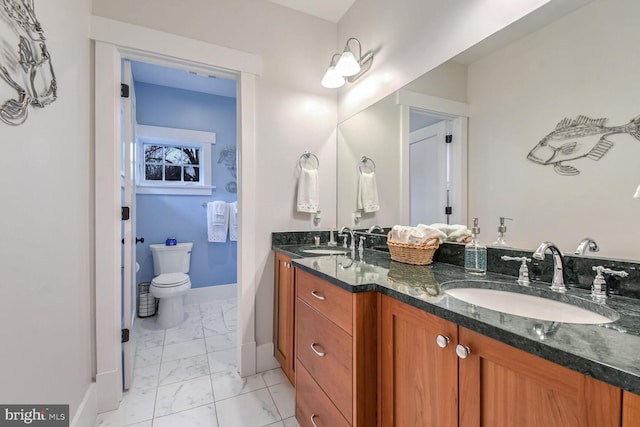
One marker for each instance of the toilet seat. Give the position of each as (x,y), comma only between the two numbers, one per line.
(170,280)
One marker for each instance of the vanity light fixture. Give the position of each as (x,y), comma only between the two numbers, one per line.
(332,79)
(348,66)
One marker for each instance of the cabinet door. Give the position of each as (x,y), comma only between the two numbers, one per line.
(284,315)
(501,386)
(419,379)
(630,409)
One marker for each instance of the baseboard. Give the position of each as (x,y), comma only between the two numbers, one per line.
(88,409)
(211,293)
(265,359)
(247,359)
(108,391)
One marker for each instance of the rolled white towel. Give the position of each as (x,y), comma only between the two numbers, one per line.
(453,232)
(459,233)
(400,234)
(432,232)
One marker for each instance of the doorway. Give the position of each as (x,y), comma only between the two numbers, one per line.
(183,159)
(113,42)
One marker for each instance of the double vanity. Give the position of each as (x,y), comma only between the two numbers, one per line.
(369,342)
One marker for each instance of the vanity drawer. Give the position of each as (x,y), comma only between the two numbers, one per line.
(312,402)
(331,363)
(328,299)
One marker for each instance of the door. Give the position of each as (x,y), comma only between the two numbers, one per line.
(418,368)
(284,307)
(128,226)
(502,386)
(428,170)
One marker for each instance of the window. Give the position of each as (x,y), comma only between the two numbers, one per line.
(174,161)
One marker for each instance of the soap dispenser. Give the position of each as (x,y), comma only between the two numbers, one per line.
(475,254)
(502,229)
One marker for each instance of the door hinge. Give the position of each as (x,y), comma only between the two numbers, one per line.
(125,214)
(448,139)
(124,90)
(447,210)
(125,335)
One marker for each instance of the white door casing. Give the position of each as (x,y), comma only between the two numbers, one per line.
(114,41)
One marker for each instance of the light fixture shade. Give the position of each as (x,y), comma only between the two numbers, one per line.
(332,79)
(347,64)
(637,194)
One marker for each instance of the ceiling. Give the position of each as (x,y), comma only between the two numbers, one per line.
(181,79)
(330,10)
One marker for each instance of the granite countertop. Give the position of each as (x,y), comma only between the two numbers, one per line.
(608,352)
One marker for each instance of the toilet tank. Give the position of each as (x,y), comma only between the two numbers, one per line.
(171,259)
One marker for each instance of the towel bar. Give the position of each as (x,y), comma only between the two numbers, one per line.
(306,156)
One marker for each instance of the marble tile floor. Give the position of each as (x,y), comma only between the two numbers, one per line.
(187,377)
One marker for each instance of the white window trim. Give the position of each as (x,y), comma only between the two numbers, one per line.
(183,137)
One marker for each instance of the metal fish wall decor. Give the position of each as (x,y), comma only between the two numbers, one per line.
(587,138)
(25,62)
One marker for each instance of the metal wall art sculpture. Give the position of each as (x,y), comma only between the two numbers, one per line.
(592,142)
(25,62)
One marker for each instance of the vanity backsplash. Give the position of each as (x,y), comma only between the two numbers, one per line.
(578,269)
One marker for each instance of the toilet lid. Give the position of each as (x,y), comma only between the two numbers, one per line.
(170,279)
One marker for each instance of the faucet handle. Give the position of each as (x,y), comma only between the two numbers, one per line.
(599,286)
(523,273)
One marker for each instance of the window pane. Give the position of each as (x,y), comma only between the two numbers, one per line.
(153,172)
(172,173)
(191,156)
(152,153)
(191,173)
(173,155)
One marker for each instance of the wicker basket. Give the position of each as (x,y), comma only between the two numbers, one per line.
(416,254)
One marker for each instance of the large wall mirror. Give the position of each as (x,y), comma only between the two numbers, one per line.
(552,138)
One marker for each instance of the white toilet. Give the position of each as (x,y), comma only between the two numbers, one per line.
(170,266)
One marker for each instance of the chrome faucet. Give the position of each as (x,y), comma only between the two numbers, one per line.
(586,243)
(557,282)
(351,233)
(375,228)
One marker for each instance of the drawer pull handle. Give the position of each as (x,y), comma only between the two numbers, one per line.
(462,351)
(442,341)
(313,421)
(319,353)
(320,297)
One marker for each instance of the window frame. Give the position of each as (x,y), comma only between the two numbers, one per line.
(174,137)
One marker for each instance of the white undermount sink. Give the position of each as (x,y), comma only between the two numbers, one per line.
(532,306)
(324,251)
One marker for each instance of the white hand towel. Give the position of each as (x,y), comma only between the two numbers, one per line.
(368,192)
(217,221)
(233,221)
(308,191)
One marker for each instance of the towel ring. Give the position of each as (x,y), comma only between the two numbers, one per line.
(363,164)
(305,157)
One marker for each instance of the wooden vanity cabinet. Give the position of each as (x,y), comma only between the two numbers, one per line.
(423,384)
(336,345)
(284,315)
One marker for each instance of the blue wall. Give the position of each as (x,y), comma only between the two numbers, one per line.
(160,216)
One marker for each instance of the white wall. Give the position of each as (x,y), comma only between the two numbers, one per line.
(294,113)
(586,63)
(411,37)
(45,297)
